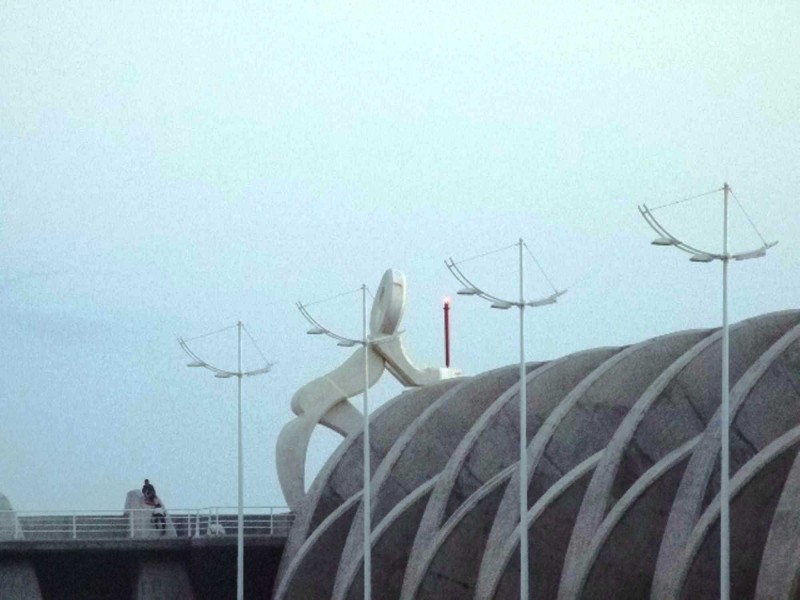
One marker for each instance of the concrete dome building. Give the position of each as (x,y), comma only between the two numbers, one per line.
(623,454)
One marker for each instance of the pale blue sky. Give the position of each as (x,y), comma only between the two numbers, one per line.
(167,170)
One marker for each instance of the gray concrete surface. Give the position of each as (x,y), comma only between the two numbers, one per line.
(764,404)
(312,571)
(492,443)
(586,419)
(162,580)
(425,447)
(755,491)
(338,479)
(390,546)
(688,393)
(549,526)
(779,574)
(449,567)
(620,561)
(18,579)
(613,438)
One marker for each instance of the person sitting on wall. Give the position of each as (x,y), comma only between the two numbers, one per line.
(159,516)
(149,492)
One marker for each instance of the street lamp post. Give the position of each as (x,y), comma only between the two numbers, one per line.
(365,342)
(667,239)
(239,374)
(470,289)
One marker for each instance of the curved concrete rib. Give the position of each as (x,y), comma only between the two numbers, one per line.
(492,444)
(424,448)
(619,565)
(755,490)
(779,576)
(549,525)
(391,544)
(765,403)
(310,575)
(340,477)
(450,568)
(584,422)
(687,392)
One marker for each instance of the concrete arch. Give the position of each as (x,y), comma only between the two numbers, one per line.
(779,575)
(765,403)
(339,479)
(391,546)
(549,524)
(311,573)
(619,565)
(585,421)
(424,448)
(755,490)
(687,392)
(450,568)
(492,444)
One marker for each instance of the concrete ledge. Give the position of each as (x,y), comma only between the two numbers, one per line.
(31,547)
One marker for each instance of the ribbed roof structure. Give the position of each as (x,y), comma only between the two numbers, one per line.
(623,455)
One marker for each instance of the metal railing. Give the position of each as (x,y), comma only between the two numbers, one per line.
(218,521)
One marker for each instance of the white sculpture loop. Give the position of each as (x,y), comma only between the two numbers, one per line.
(325,399)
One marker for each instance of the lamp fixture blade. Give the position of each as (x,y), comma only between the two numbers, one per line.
(501,305)
(544,302)
(749,255)
(663,241)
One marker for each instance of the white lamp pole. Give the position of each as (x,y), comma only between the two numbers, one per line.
(524,585)
(365,342)
(667,239)
(239,374)
(470,289)
(366,472)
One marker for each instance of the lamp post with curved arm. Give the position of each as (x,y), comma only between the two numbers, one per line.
(239,374)
(470,289)
(697,255)
(366,341)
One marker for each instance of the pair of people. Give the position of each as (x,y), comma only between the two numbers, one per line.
(159,518)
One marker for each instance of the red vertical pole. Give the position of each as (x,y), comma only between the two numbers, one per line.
(447,332)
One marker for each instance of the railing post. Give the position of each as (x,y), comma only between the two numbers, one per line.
(130,521)
(271,521)
(197,523)
(74,527)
